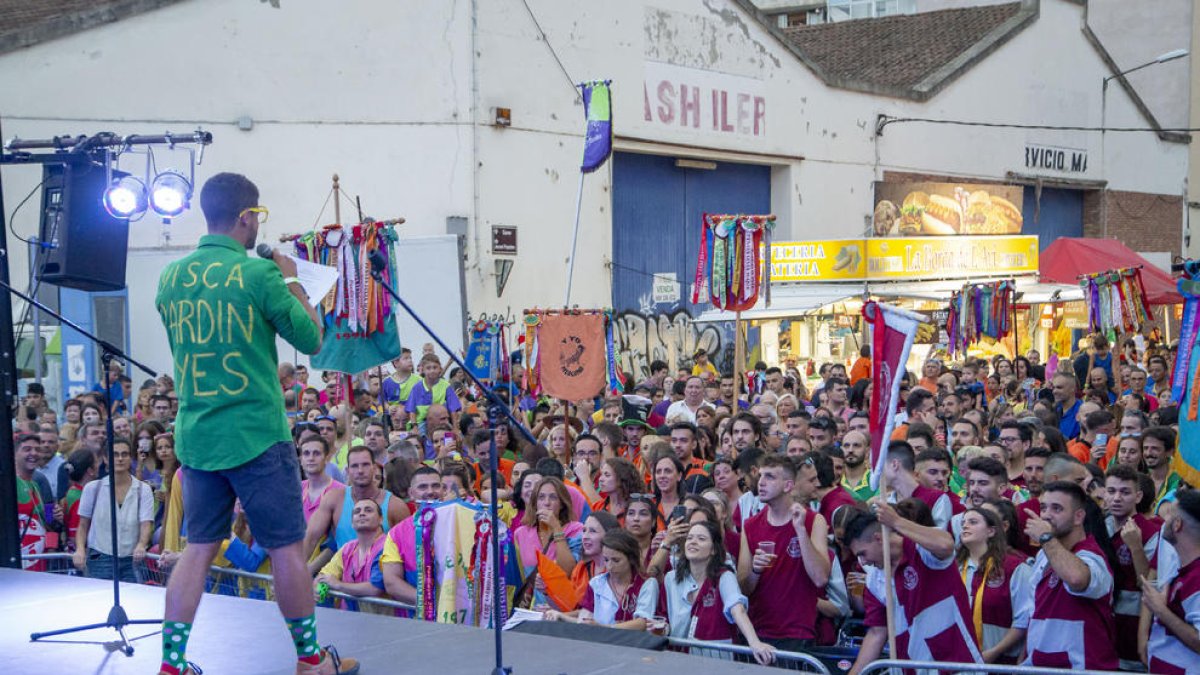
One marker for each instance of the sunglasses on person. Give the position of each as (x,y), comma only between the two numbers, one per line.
(823,424)
(307,426)
(642,497)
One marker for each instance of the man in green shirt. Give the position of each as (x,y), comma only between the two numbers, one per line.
(222,311)
(1158,452)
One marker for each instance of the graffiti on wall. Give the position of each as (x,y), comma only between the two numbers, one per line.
(643,337)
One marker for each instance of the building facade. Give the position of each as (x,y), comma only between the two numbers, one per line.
(462,116)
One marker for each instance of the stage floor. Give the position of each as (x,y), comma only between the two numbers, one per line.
(239,636)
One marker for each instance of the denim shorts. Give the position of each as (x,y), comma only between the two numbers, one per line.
(269,488)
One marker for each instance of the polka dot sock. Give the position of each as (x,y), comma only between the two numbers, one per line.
(175,638)
(304,636)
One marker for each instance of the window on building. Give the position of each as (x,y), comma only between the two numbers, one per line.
(846,10)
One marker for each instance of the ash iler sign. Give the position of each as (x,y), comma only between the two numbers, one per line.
(666,288)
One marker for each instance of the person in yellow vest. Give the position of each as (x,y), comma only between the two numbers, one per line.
(432,389)
(703,367)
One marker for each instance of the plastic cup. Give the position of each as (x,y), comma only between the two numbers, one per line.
(658,625)
(768,547)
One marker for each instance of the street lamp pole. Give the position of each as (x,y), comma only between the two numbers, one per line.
(1161,58)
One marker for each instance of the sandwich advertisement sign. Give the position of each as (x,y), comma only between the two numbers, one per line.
(946,209)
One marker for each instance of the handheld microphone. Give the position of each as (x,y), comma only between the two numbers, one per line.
(264,250)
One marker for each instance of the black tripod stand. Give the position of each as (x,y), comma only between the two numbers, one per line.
(117,618)
(497,411)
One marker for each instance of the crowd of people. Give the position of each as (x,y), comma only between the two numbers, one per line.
(1032,514)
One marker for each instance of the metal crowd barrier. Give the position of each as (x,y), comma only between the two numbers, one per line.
(721,650)
(899,665)
(221,580)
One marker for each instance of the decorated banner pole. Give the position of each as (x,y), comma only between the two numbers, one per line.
(574,240)
(730,265)
(597,146)
(739,358)
(892,334)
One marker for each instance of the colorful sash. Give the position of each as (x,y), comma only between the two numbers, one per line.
(426,579)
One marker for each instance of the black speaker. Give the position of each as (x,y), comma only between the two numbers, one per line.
(88,245)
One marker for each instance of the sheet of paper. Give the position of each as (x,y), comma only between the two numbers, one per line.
(316,279)
(520,616)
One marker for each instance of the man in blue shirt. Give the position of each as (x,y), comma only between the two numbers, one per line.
(1066,404)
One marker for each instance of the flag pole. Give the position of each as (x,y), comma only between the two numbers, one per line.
(739,356)
(889,582)
(574,240)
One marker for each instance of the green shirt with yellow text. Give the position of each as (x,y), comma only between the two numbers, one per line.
(222,310)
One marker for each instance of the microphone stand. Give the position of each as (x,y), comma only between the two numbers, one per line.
(117,617)
(497,412)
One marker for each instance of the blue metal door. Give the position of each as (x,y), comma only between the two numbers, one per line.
(657,210)
(1056,213)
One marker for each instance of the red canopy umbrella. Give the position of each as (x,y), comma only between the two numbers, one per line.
(1067,258)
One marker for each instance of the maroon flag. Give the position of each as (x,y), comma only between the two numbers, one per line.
(892,333)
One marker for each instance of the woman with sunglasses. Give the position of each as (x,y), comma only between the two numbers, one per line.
(621,596)
(704,601)
(546,526)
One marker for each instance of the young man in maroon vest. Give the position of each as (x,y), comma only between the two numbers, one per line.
(1072,623)
(784,578)
(902,479)
(1174,645)
(932,614)
(1136,540)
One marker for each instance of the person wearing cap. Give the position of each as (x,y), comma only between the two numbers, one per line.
(703,367)
(635,410)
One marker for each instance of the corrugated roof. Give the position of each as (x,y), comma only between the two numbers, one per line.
(909,55)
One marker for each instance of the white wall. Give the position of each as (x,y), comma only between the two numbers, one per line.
(347,91)
(381,93)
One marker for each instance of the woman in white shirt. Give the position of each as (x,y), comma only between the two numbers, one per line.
(620,597)
(135,521)
(703,598)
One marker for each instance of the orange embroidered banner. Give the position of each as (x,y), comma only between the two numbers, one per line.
(571,357)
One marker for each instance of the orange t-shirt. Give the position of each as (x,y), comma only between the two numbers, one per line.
(1110,454)
(861,370)
(1080,451)
(505,466)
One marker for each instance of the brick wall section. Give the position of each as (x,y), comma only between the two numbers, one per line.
(1140,220)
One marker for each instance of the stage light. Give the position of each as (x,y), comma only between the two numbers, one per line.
(126,198)
(170,194)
